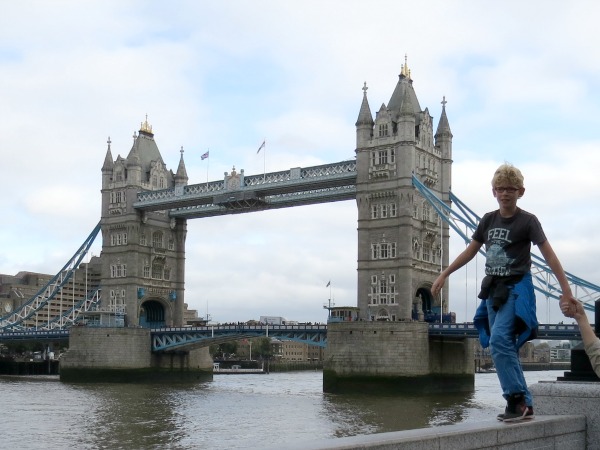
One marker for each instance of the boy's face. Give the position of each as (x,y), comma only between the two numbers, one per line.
(507,195)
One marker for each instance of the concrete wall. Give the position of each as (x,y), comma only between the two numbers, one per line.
(571,397)
(546,432)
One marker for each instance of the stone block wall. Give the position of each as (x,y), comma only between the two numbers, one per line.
(107,348)
(378,348)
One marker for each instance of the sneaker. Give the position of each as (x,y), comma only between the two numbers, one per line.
(516,409)
(529,414)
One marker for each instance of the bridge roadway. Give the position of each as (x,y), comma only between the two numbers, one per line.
(181,338)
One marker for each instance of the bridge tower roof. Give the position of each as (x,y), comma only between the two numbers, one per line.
(144,149)
(404,92)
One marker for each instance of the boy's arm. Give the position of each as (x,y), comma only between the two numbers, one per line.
(556,267)
(467,255)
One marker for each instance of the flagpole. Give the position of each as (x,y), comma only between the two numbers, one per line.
(265,161)
(207,164)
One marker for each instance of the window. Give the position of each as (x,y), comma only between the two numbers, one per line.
(374,210)
(118,270)
(157,239)
(142,239)
(167,273)
(383,129)
(384,251)
(383,286)
(426,251)
(117,197)
(384,211)
(375,251)
(425,212)
(157,270)
(383,157)
(171,243)
(146,271)
(392,207)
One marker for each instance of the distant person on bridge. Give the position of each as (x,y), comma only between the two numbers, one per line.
(506,317)
(591,342)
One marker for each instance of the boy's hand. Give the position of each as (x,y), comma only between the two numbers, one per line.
(571,307)
(438,284)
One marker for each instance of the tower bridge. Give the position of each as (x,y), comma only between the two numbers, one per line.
(400,178)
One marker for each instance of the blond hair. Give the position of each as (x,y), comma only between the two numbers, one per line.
(508,174)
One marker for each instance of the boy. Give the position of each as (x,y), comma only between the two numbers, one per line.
(506,317)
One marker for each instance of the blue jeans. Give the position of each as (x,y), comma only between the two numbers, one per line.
(503,347)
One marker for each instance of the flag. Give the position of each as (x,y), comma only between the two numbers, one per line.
(261,147)
(328,283)
(204,156)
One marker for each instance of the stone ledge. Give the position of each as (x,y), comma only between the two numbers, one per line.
(544,432)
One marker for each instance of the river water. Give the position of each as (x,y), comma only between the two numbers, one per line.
(230,412)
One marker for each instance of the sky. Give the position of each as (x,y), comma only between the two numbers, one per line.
(521,80)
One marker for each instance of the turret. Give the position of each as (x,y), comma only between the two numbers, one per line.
(364,123)
(443,143)
(181,178)
(107,167)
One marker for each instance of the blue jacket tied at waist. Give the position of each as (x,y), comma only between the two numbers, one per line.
(526,324)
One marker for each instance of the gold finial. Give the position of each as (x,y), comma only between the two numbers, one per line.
(365,89)
(145,126)
(405,72)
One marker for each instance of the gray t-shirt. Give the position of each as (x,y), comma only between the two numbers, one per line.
(508,242)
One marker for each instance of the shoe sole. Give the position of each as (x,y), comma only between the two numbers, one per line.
(519,419)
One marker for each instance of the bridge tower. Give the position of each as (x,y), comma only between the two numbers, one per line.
(143,253)
(402,243)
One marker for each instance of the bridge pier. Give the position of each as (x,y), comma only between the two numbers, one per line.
(395,356)
(125,355)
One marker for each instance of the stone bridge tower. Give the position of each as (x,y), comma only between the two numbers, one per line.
(402,243)
(143,253)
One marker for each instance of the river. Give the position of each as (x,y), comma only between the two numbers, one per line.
(230,412)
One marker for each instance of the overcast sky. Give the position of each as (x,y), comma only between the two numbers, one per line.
(521,80)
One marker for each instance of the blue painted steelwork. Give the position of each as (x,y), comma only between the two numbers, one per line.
(545,331)
(543,279)
(180,338)
(14,320)
(169,339)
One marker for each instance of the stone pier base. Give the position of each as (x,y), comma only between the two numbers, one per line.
(571,397)
(395,356)
(125,355)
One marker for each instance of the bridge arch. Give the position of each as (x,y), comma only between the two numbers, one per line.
(153,314)
(427,302)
